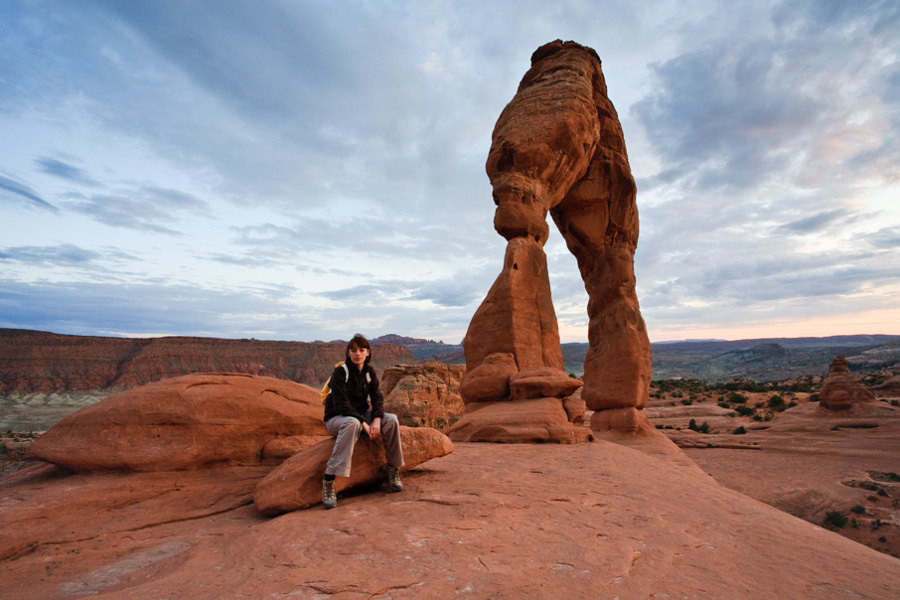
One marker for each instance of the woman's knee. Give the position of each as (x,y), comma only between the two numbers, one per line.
(351,425)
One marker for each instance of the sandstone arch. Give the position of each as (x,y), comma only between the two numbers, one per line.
(558,148)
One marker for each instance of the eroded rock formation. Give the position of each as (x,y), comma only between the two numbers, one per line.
(841,390)
(558,148)
(423,395)
(183,423)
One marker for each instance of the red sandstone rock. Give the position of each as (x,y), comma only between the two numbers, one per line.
(517,316)
(183,423)
(558,148)
(489,381)
(529,421)
(285,447)
(297,482)
(575,409)
(841,390)
(424,395)
(542,383)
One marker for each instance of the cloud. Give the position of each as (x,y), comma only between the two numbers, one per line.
(813,223)
(144,208)
(793,102)
(19,191)
(63,254)
(64,170)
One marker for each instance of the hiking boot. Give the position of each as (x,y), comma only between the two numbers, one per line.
(393,482)
(329,496)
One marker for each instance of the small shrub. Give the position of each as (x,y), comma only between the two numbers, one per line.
(739,431)
(883,540)
(834,518)
(860,510)
(895,402)
(687,402)
(776,402)
(872,498)
(876,524)
(704,428)
(745,411)
(737,398)
(814,397)
(724,405)
(759,404)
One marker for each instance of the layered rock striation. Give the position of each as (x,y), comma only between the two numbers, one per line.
(36,361)
(558,148)
(424,395)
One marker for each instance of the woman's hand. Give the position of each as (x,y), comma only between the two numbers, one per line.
(374,430)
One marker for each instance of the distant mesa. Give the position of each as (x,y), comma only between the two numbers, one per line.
(841,390)
(558,148)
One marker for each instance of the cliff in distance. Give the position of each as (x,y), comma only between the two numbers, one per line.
(37,361)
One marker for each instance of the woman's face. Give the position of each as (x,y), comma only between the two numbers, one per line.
(358,355)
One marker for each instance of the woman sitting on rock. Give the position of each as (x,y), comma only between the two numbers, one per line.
(354,405)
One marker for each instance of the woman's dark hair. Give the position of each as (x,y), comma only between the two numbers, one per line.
(359,341)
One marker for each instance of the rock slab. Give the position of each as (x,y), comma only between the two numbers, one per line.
(185,422)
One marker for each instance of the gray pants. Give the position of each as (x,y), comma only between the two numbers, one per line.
(348,429)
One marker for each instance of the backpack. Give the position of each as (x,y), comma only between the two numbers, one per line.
(326,389)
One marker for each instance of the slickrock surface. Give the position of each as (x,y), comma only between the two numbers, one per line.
(423,395)
(183,423)
(594,520)
(841,390)
(807,461)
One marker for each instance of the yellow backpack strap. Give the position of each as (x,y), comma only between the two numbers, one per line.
(326,389)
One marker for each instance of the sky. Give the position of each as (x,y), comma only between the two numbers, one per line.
(306,170)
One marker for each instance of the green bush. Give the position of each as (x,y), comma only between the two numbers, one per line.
(835,519)
(739,431)
(745,411)
(737,398)
(860,510)
(883,540)
(813,397)
(777,402)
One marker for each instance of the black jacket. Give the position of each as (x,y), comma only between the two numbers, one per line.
(351,398)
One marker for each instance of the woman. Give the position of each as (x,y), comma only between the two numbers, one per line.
(353,406)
